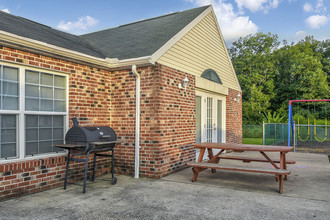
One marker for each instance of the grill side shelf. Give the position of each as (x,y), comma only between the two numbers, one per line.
(69,146)
(105,142)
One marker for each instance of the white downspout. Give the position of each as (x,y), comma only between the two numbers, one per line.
(137,121)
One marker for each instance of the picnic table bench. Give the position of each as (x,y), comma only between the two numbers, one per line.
(280,172)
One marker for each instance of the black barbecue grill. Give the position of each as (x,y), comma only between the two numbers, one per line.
(86,140)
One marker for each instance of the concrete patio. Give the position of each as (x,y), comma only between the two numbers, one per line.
(220,195)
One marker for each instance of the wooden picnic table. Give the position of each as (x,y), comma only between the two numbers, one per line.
(280,172)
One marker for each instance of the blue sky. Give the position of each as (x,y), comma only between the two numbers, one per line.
(289,19)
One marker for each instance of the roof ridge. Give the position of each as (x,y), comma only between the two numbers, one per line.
(148,19)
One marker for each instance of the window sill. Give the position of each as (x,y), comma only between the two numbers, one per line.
(31,158)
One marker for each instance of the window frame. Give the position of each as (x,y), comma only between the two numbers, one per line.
(214,73)
(21,112)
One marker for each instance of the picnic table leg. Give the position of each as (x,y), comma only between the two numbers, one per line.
(209,150)
(282,165)
(196,170)
(281,183)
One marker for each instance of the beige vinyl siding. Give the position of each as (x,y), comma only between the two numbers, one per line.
(200,49)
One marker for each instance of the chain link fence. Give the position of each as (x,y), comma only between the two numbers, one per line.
(306,138)
(252,134)
(312,139)
(275,134)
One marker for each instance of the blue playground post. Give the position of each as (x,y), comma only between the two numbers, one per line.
(289,123)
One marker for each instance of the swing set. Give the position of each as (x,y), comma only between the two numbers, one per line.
(291,123)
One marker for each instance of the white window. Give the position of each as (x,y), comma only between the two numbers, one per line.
(33,111)
(8,136)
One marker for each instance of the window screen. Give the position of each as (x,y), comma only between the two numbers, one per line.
(42,132)
(45,92)
(8,131)
(9,90)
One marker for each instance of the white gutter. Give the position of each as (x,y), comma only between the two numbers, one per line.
(49,48)
(137,121)
(42,46)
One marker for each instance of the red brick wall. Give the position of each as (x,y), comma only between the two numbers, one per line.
(167,120)
(233,118)
(88,100)
(101,97)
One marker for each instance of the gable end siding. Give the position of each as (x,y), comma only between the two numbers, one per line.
(200,49)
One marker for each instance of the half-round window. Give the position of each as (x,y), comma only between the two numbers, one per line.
(210,74)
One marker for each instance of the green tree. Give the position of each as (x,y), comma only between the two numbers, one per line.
(252,57)
(271,76)
(300,73)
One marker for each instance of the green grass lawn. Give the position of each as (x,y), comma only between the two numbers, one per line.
(257,141)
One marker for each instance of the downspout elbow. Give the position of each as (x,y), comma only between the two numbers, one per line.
(135,72)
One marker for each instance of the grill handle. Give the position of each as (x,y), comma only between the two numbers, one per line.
(105,136)
(75,122)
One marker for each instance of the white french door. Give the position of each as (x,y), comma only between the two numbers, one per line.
(210,118)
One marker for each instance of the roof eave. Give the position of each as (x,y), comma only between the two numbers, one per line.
(63,52)
(139,61)
(49,48)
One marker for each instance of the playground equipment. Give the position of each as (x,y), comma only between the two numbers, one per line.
(291,123)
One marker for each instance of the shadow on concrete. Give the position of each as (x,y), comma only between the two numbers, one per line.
(221,195)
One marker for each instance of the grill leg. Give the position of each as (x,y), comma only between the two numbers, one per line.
(94,164)
(114,179)
(85,177)
(67,169)
(112,163)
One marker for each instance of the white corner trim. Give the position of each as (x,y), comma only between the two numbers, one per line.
(156,55)
(225,47)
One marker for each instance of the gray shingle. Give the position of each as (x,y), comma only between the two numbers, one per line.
(141,38)
(30,29)
(133,40)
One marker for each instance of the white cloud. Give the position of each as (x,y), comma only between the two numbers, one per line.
(6,10)
(316,21)
(318,7)
(300,34)
(232,25)
(308,7)
(257,5)
(83,23)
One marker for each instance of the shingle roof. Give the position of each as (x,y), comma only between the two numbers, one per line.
(33,30)
(133,40)
(141,38)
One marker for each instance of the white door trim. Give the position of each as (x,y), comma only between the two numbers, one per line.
(204,96)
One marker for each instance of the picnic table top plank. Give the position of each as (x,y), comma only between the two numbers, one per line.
(243,147)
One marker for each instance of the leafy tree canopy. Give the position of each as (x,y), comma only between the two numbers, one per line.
(271,73)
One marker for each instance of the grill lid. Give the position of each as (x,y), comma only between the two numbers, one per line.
(79,135)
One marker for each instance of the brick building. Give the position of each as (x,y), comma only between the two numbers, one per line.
(48,76)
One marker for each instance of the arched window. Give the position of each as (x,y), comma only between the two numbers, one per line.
(210,74)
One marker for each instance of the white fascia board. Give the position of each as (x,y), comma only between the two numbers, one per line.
(224,44)
(49,48)
(39,45)
(155,56)
(129,62)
